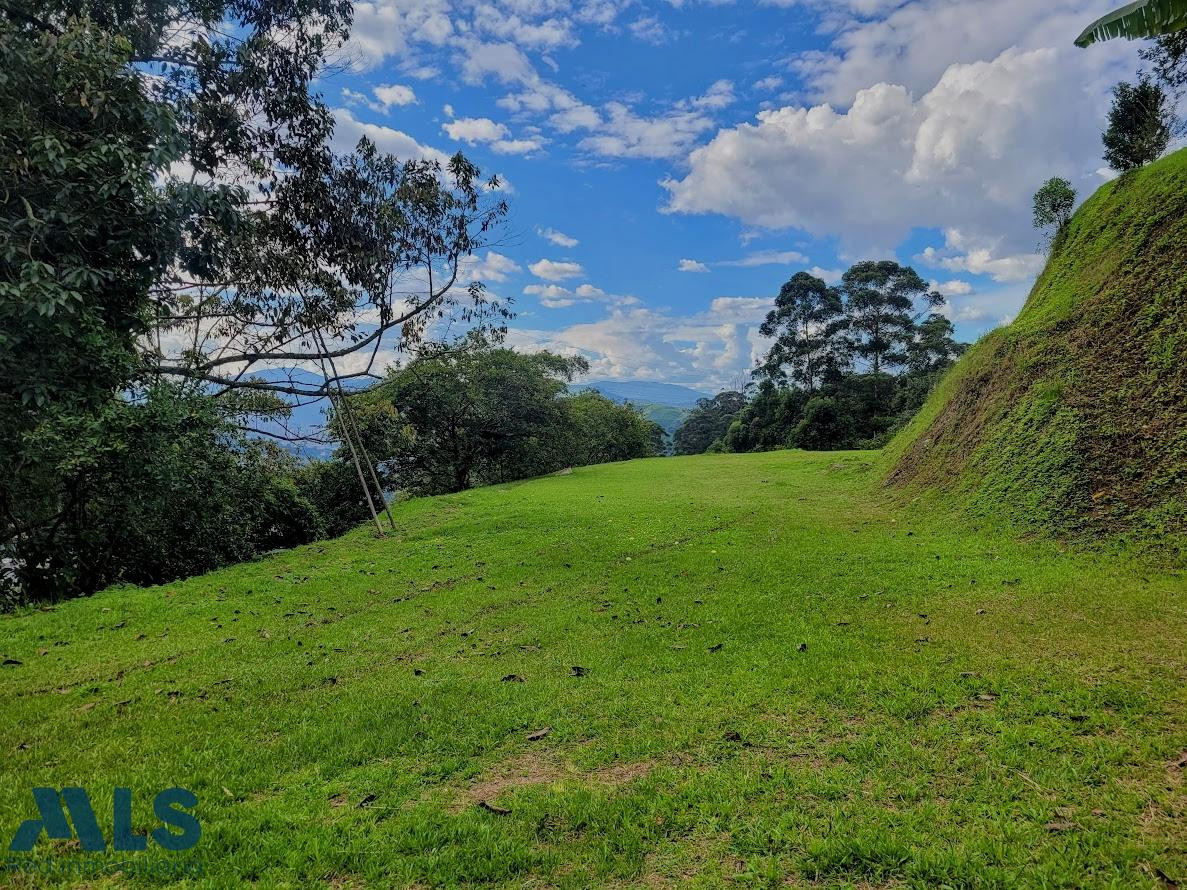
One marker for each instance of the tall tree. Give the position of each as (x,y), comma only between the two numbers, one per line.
(1140,125)
(807,323)
(880,298)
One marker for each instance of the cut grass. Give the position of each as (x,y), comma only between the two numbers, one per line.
(787,681)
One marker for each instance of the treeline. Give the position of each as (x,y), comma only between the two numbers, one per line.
(478,413)
(849,366)
(173,486)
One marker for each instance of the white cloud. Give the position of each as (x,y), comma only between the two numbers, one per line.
(966,156)
(475,129)
(691,266)
(544,34)
(560,239)
(710,348)
(493,267)
(773,82)
(828,276)
(954,288)
(482,130)
(394,94)
(913,43)
(767,258)
(385,97)
(719,95)
(384,28)
(551,270)
(980,256)
(553,296)
(624,134)
(348,130)
(649,29)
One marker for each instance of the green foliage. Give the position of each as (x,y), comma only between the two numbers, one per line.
(1140,125)
(818,331)
(332,487)
(144,491)
(1168,55)
(1073,420)
(708,423)
(83,233)
(880,302)
(1143,18)
(474,413)
(809,326)
(1053,204)
(603,431)
(789,680)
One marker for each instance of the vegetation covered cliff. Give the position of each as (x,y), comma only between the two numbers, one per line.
(1074,417)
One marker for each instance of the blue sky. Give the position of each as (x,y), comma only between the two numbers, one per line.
(670,164)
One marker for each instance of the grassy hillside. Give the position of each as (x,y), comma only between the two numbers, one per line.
(734,670)
(1075,416)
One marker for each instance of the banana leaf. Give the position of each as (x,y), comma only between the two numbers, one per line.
(1145,18)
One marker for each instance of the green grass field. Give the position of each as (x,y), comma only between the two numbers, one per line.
(753,670)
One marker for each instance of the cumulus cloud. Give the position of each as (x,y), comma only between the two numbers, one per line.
(625,134)
(394,94)
(691,266)
(952,288)
(966,157)
(709,348)
(348,130)
(899,42)
(384,28)
(482,130)
(560,239)
(492,267)
(552,270)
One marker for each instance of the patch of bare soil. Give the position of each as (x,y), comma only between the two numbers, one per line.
(531,768)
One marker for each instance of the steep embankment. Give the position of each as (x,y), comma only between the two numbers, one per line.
(1074,418)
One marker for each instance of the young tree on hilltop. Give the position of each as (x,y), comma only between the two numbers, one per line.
(880,298)
(1053,204)
(808,322)
(1140,125)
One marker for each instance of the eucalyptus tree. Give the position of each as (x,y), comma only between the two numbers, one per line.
(808,325)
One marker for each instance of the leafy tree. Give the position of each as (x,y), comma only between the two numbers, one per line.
(934,348)
(1053,204)
(167,177)
(807,323)
(880,300)
(708,422)
(1168,55)
(1140,124)
(766,422)
(602,431)
(473,413)
(148,489)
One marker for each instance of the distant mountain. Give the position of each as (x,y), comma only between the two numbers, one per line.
(645,391)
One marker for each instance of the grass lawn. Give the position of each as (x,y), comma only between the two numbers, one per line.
(753,670)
